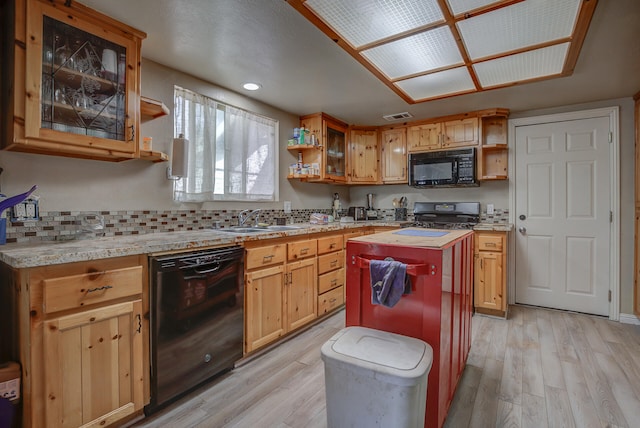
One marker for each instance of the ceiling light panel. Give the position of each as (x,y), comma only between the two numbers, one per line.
(460,6)
(443,83)
(361,22)
(524,66)
(518,26)
(422,52)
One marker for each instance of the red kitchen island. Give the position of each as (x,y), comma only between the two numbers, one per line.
(438,310)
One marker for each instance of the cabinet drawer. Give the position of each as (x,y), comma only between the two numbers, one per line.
(329,244)
(330,300)
(330,280)
(329,262)
(264,256)
(75,291)
(490,242)
(302,249)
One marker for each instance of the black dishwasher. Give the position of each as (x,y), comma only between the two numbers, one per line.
(196,318)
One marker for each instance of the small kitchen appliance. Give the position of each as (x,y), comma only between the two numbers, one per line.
(371,213)
(358,213)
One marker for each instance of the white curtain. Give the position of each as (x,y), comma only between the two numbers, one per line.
(232,152)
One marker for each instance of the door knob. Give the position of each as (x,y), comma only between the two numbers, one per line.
(522,230)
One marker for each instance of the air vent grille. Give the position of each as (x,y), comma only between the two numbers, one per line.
(397,116)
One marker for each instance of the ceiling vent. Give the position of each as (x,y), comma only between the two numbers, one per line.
(397,116)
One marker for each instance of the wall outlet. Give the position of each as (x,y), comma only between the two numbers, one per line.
(31,210)
(20,211)
(287,207)
(490,209)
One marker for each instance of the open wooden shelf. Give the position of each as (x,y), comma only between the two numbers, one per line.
(153,156)
(152,109)
(297,147)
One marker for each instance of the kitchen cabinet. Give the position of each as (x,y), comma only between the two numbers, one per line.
(330,154)
(363,156)
(331,274)
(444,135)
(264,291)
(280,280)
(493,152)
(300,283)
(83,337)
(490,272)
(79,96)
(636,271)
(421,138)
(393,153)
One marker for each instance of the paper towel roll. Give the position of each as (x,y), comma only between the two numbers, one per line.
(180,157)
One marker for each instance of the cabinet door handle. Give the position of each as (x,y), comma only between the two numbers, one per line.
(104,287)
(334,281)
(334,262)
(332,245)
(304,250)
(267,258)
(490,244)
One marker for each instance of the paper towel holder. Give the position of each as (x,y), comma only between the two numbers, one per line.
(179,159)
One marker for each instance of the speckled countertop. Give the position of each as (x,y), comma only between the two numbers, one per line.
(57,252)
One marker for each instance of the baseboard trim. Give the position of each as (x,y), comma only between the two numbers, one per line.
(629,319)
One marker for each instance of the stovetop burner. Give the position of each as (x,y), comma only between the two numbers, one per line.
(446,215)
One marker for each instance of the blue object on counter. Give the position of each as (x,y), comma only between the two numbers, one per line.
(3,231)
(425,233)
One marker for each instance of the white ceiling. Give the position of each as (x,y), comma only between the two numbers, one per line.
(302,71)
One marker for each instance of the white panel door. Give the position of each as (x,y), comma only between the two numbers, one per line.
(562,215)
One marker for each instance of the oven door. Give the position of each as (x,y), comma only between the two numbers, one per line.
(427,170)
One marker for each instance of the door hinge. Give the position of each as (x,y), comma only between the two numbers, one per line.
(610,216)
(609,295)
(611,137)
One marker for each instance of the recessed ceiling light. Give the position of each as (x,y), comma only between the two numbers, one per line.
(250,86)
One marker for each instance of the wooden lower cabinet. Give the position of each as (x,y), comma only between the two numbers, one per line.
(301,293)
(490,273)
(264,308)
(331,273)
(280,290)
(83,342)
(93,366)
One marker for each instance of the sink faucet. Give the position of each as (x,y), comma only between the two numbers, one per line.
(245,215)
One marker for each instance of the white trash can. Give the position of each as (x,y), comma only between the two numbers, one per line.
(375,379)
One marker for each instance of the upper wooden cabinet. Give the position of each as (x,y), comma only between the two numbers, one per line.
(79,96)
(363,156)
(443,135)
(393,154)
(330,153)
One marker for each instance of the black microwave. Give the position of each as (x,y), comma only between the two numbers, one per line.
(447,168)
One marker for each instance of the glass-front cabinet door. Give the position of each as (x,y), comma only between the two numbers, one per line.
(85,78)
(335,152)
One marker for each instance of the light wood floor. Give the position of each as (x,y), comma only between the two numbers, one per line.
(539,369)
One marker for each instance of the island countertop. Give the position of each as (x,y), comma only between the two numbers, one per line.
(416,237)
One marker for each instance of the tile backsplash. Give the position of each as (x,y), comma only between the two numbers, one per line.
(65,225)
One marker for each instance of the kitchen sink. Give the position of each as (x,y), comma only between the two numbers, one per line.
(237,229)
(280,227)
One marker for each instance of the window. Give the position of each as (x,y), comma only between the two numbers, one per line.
(232,152)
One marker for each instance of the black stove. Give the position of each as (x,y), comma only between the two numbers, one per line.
(446,215)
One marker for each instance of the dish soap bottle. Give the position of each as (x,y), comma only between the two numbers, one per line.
(336,205)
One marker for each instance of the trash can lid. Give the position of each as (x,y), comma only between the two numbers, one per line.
(380,352)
